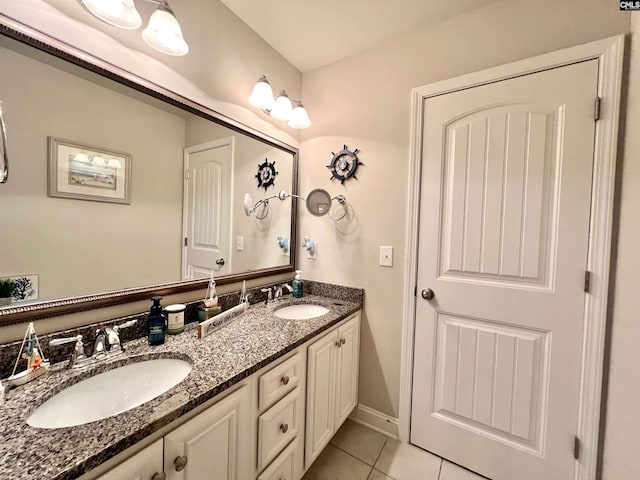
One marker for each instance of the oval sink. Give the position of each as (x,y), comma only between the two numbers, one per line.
(110,393)
(301,311)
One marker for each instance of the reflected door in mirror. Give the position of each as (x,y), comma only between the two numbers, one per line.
(207,213)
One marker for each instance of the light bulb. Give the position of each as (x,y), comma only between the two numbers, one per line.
(119,13)
(299,117)
(262,95)
(164,33)
(282,108)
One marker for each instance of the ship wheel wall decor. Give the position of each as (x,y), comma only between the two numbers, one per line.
(344,164)
(266,174)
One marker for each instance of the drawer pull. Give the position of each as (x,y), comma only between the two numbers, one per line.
(180,462)
(284,427)
(159,476)
(284,380)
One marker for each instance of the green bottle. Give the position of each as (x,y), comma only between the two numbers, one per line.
(298,285)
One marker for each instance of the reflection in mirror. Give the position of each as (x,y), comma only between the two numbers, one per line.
(188,176)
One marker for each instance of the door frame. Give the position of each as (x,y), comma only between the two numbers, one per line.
(230,140)
(609,53)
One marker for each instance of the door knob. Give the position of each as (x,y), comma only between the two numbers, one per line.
(428,294)
(220,261)
(180,462)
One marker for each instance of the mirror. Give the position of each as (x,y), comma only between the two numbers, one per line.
(85,136)
(318,202)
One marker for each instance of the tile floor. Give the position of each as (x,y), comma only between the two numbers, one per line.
(359,453)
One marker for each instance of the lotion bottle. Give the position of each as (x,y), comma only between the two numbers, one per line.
(298,285)
(156,323)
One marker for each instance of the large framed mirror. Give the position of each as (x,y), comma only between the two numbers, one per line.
(82,133)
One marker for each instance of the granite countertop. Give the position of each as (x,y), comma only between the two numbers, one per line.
(220,360)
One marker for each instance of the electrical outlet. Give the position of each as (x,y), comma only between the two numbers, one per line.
(386,256)
(239,243)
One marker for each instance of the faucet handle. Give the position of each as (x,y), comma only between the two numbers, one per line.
(78,351)
(268,292)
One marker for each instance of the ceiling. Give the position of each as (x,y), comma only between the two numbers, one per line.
(313,33)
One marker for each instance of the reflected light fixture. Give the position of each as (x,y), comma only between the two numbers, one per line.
(280,107)
(163,31)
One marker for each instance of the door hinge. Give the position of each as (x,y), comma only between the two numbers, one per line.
(185,241)
(576,448)
(186,175)
(415,291)
(596,109)
(587,281)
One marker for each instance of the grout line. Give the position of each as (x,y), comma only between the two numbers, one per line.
(380,452)
(440,470)
(351,455)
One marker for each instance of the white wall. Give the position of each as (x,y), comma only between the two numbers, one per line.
(80,247)
(622,420)
(226,57)
(364,101)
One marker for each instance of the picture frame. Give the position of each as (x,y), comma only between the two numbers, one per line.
(87,172)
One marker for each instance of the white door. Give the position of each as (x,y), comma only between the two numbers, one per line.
(504,221)
(207,209)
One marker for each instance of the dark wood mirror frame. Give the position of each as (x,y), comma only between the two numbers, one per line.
(25,313)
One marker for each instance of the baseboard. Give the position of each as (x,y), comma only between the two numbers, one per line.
(375,420)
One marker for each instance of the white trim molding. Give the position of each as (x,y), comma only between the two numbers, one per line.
(609,53)
(375,420)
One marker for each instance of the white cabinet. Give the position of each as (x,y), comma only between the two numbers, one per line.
(332,384)
(211,444)
(144,465)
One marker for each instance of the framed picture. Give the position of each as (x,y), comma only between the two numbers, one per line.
(26,288)
(85,172)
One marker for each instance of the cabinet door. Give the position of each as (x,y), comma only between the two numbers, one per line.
(142,466)
(211,442)
(320,396)
(348,353)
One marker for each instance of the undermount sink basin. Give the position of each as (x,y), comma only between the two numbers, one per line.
(110,393)
(301,311)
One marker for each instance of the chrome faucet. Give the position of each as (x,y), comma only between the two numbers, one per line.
(106,344)
(278,290)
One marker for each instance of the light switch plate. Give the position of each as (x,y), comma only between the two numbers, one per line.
(386,256)
(239,243)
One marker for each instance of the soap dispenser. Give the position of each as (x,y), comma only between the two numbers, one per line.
(298,285)
(156,323)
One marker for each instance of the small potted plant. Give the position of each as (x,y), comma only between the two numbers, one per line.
(7,287)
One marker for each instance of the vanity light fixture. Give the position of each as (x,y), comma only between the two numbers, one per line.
(280,107)
(163,32)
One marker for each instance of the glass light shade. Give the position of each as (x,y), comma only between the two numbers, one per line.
(119,13)
(282,109)
(98,162)
(164,33)
(299,118)
(262,95)
(114,163)
(81,157)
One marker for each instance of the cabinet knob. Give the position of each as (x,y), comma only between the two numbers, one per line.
(284,427)
(284,380)
(180,462)
(338,344)
(159,476)
(343,341)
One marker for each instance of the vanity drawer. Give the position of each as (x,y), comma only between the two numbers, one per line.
(280,380)
(278,426)
(283,467)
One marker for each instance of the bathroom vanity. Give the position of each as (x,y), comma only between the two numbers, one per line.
(261,393)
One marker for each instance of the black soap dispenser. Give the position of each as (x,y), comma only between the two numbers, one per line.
(156,326)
